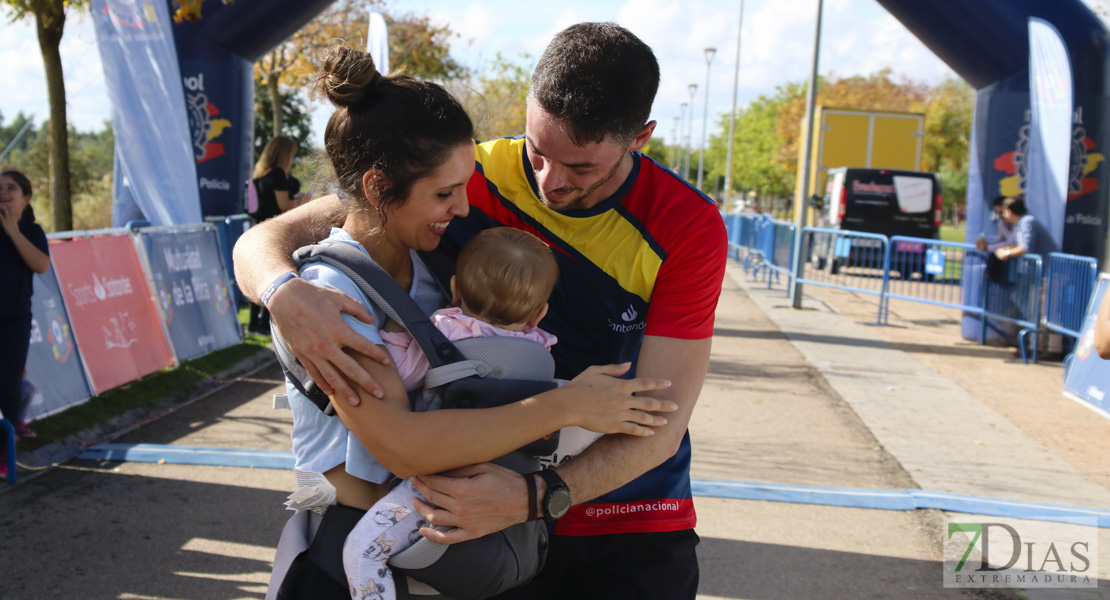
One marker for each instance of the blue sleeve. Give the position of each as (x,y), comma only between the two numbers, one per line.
(1026,234)
(326,276)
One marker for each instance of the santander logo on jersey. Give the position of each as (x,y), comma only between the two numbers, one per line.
(629,321)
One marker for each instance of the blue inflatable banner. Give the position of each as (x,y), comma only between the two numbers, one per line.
(1050,131)
(1087,379)
(148,111)
(191,287)
(53,362)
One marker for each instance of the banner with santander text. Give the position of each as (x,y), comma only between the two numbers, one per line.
(114,318)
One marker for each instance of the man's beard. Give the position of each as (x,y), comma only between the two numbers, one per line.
(573,204)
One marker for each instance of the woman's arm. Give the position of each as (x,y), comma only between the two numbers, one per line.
(284,202)
(35,259)
(409,443)
(309,316)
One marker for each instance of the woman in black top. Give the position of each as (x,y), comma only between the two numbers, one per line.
(23,252)
(277,193)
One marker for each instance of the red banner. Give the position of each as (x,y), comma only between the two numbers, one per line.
(114,318)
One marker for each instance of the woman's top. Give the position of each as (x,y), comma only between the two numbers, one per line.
(274,181)
(16,278)
(321,442)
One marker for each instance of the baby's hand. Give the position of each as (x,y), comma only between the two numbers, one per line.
(600,401)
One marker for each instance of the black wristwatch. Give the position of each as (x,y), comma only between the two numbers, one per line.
(557,501)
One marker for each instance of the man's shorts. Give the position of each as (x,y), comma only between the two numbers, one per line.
(628,565)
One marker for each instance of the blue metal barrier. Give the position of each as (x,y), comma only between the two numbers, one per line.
(932,272)
(757,244)
(842,259)
(228,230)
(779,249)
(1068,284)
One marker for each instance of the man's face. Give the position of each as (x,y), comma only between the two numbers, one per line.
(570,176)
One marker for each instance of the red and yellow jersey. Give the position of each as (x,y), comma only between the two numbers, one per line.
(648,260)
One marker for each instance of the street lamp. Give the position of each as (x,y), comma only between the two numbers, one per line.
(732,115)
(674,142)
(678,140)
(693,87)
(709,53)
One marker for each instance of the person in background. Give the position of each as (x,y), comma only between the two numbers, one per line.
(1022,225)
(1102,328)
(1005,234)
(28,391)
(277,192)
(23,252)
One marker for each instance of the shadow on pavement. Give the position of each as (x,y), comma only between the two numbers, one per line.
(96,533)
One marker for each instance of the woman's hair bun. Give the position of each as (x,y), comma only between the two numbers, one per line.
(347,76)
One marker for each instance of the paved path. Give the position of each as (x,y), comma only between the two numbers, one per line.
(808,398)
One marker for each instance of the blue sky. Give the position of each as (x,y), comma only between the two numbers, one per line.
(858,37)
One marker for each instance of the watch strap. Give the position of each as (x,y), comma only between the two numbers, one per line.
(533,507)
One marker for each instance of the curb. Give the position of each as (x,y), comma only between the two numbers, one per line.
(37,462)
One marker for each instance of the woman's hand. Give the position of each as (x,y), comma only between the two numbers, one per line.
(600,401)
(9,219)
(309,318)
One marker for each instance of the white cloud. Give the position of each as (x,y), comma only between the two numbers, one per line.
(858,37)
(86,96)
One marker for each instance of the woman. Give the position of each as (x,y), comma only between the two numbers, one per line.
(403,152)
(23,252)
(277,192)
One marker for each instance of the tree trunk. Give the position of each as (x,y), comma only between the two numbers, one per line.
(50,22)
(275,102)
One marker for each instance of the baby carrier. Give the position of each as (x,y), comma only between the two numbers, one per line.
(472,373)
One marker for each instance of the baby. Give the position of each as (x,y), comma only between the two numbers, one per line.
(503,280)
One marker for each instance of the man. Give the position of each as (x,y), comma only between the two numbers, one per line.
(641,257)
(1005,234)
(1024,229)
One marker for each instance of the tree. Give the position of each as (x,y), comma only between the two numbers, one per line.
(91,156)
(297,123)
(50,20)
(496,98)
(947,130)
(877,91)
(417,46)
(759,161)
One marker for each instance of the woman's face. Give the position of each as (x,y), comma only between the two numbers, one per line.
(421,220)
(12,198)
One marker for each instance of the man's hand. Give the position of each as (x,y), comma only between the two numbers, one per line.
(476,500)
(309,318)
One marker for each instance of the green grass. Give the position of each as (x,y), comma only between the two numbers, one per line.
(148,391)
(953,234)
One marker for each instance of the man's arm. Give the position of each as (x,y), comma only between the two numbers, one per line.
(308,316)
(485,498)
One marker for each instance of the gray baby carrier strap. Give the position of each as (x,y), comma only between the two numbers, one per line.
(478,372)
